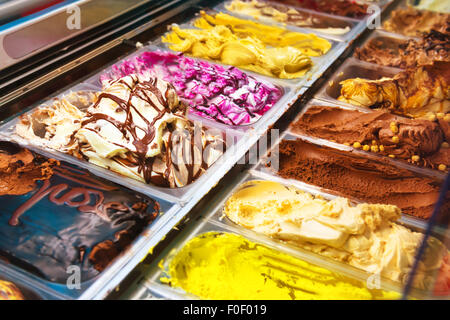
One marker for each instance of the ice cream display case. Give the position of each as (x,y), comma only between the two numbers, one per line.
(168,137)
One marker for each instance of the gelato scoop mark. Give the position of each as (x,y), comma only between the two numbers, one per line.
(274,12)
(224,94)
(70,215)
(365,236)
(136,127)
(433,46)
(229,267)
(220,43)
(351,175)
(274,36)
(375,132)
(416,92)
(20,169)
(412,22)
(9,291)
(346,8)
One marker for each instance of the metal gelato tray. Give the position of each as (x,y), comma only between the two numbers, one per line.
(149,286)
(320,64)
(434,173)
(386,40)
(71,224)
(408,220)
(355,27)
(100,286)
(353,68)
(176,203)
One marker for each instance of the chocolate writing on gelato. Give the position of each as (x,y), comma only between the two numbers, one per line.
(68,217)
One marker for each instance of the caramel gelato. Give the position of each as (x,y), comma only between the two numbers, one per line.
(421,92)
(221,44)
(412,22)
(352,175)
(9,291)
(420,142)
(274,12)
(366,236)
(433,46)
(136,127)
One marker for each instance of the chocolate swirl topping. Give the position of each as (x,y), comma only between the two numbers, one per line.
(148,133)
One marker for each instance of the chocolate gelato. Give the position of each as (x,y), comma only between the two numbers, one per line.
(346,8)
(420,142)
(413,22)
(20,169)
(434,46)
(361,178)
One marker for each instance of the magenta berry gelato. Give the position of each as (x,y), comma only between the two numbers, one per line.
(222,93)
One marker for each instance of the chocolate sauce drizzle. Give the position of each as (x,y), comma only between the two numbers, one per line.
(144,90)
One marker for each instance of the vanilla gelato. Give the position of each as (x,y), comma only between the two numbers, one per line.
(136,126)
(366,236)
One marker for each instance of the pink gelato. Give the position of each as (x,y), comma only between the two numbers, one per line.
(222,93)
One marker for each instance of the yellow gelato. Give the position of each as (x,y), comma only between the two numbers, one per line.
(219,43)
(365,236)
(309,44)
(229,267)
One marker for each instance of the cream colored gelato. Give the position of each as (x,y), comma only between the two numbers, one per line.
(53,125)
(274,12)
(366,236)
(136,127)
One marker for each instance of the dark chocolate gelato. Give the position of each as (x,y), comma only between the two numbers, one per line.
(420,142)
(352,175)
